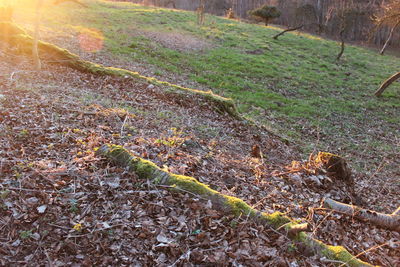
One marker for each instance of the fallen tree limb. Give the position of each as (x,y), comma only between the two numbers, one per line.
(387,221)
(23,42)
(386,84)
(288,30)
(230,205)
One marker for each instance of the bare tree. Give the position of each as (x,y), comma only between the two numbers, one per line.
(35,50)
(343,13)
(388,15)
(200,12)
(340,11)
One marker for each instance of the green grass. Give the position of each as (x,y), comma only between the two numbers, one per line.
(295,84)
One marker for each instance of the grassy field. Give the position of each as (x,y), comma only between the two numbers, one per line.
(293,84)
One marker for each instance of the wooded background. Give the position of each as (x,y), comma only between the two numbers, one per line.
(318,16)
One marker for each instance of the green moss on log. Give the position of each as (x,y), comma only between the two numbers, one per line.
(17,37)
(337,253)
(230,205)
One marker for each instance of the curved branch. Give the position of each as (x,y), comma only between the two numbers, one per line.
(386,83)
(288,30)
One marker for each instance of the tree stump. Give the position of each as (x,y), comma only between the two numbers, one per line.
(336,167)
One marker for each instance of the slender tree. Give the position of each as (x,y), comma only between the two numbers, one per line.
(35,50)
(343,11)
(388,16)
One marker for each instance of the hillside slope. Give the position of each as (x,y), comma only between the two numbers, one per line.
(294,85)
(96,214)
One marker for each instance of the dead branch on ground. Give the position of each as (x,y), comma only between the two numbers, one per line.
(387,221)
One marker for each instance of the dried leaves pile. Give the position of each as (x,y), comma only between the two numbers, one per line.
(61,205)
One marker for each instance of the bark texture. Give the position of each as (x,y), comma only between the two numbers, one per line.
(231,205)
(387,221)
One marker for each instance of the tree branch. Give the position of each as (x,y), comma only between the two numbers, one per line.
(386,83)
(387,221)
(288,30)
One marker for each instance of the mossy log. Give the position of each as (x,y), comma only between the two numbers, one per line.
(230,205)
(18,38)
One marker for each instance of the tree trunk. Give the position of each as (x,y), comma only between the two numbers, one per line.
(387,221)
(389,38)
(35,51)
(341,45)
(386,83)
(287,30)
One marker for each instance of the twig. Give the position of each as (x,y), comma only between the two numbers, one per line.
(316,228)
(184,256)
(123,124)
(48,258)
(59,226)
(333,261)
(365,251)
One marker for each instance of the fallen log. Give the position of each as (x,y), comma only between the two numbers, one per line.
(18,38)
(229,205)
(387,221)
